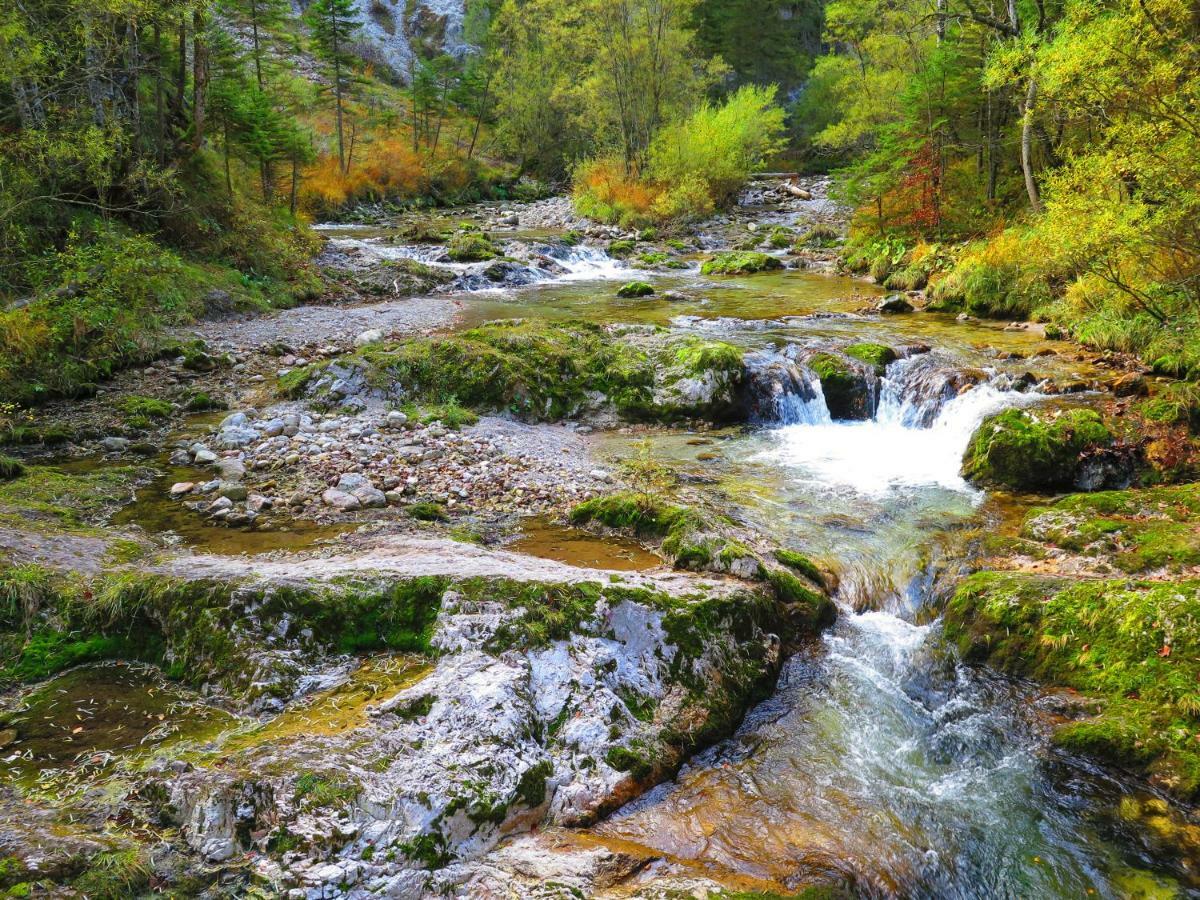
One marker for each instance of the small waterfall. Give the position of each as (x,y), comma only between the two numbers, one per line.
(914,390)
(782,390)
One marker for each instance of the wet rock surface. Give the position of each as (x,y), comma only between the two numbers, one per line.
(400,706)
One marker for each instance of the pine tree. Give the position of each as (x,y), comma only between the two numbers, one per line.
(333,25)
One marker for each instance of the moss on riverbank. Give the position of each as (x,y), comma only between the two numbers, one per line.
(694,541)
(1132,531)
(200,630)
(1134,646)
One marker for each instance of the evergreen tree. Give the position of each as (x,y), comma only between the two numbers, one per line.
(333,25)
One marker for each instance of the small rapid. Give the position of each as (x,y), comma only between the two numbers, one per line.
(881,761)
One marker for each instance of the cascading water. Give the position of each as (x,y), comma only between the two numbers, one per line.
(882,761)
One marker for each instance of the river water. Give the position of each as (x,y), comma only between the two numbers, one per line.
(879,761)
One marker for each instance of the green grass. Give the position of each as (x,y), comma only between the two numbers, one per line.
(10,468)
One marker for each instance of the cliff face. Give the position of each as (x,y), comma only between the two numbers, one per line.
(397,33)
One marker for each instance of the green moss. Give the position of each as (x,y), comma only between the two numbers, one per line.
(69,499)
(798,562)
(471,246)
(1134,646)
(806,608)
(637,759)
(427,511)
(741,262)
(292,384)
(697,356)
(644,514)
(428,849)
(202,402)
(620,249)
(876,355)
(549,612)
(847,393)
(452,414)
(535,369)
(10,467)
(1025,451)
(135,407)
(635,289)
(1135,530)
(781,237)
(531,789)
(192,627)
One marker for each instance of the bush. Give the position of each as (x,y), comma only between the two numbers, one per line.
(695,166)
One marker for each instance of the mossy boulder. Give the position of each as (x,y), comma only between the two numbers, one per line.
(847,389)
(877,356)
(471,246)
(698,378)
(1033,451)
(1132,646)
(621,249)
(544,371)
(635,289)
(740,262)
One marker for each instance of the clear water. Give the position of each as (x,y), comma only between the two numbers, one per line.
(878,760)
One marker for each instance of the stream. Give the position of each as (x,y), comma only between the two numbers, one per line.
(879,760)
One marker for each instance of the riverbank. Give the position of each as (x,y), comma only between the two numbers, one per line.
(544,565)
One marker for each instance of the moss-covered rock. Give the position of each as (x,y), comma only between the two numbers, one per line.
(471,246)
(847,390)
(247,639)
(635,289)
(877,356)
(1026,450)
(1133,531)
(544,371)
(621,249)
(740,262)
(1132,646)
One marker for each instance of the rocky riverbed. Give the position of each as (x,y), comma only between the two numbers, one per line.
(335,537)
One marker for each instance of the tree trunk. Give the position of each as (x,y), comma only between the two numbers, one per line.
(295,178)
(487,85)
(181,74)
(199,78)
(1031,188)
